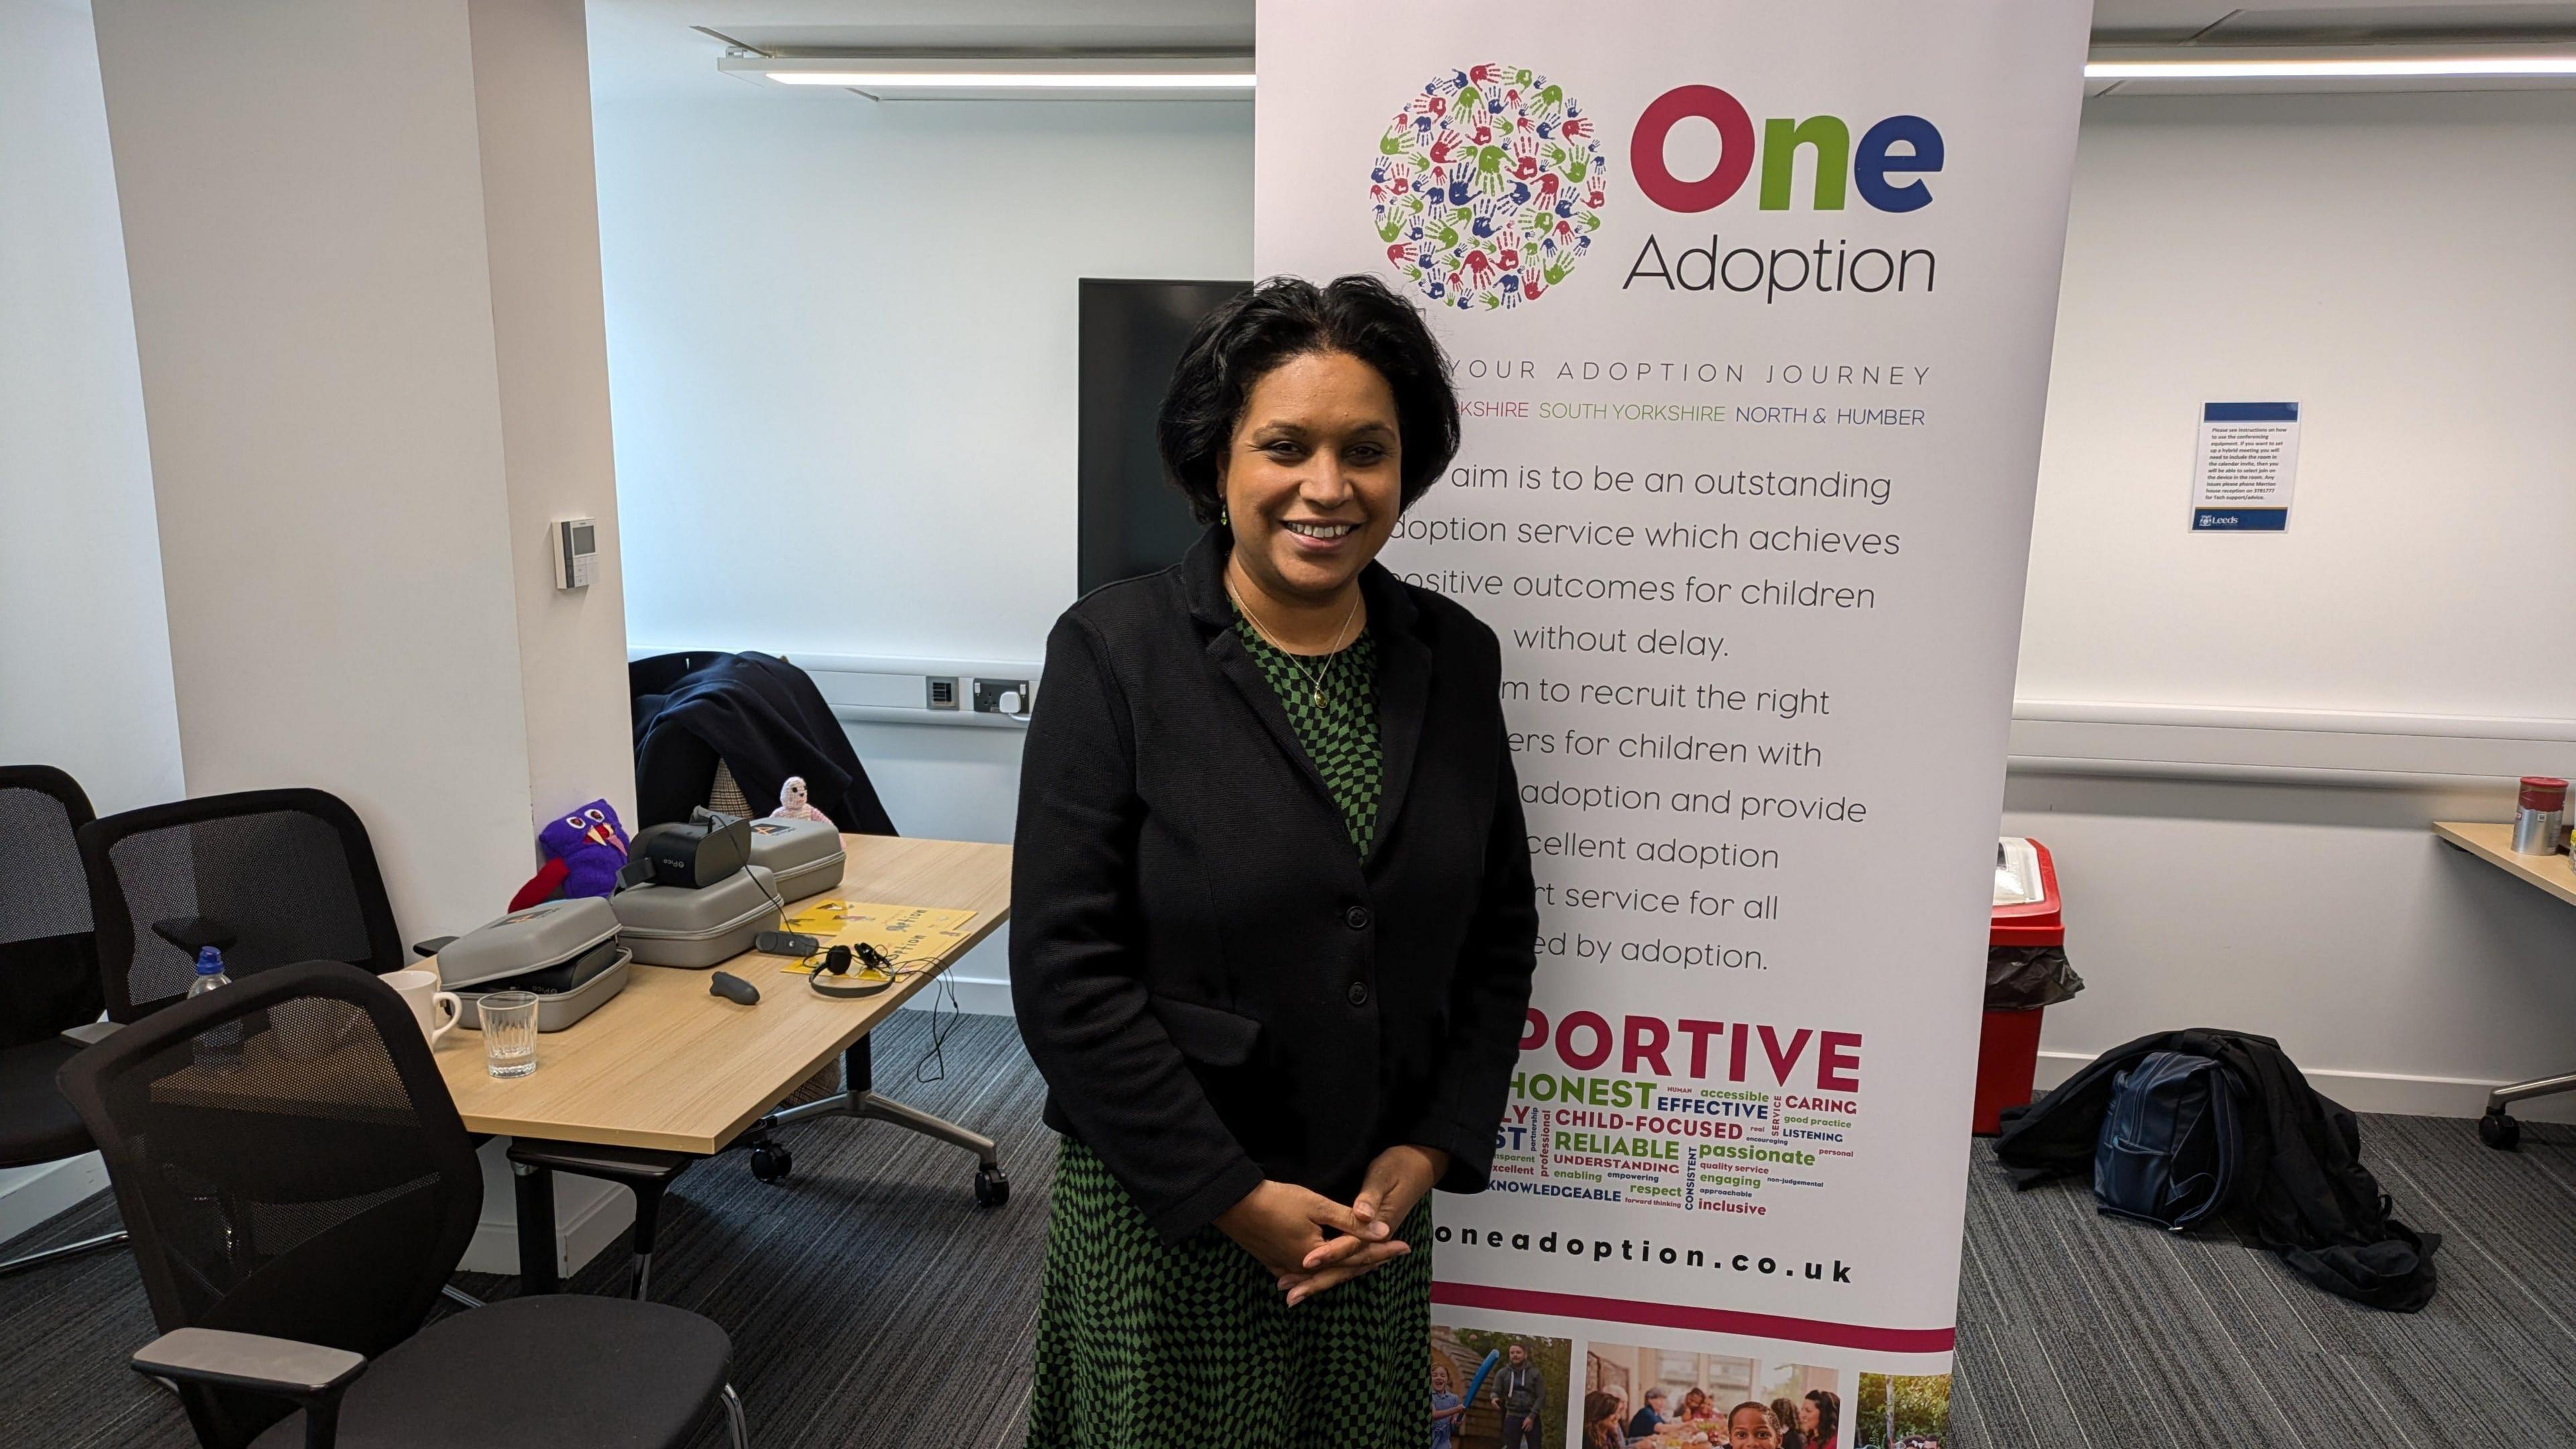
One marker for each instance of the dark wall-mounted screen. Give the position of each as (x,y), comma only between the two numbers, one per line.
(1132,522)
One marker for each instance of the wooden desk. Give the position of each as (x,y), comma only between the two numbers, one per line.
(666,1065)
(2493,843)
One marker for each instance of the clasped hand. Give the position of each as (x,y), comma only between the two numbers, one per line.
(1286,1226)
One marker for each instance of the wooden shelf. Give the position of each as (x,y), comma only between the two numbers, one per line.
(2493,843)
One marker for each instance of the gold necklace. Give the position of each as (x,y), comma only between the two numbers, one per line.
(1332,656)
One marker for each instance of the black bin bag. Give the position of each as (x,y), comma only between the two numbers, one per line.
(2025,978)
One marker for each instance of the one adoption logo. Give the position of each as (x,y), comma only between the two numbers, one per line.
(1487,187)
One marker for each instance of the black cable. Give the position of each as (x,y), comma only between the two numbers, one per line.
(933,1065)
(777,901)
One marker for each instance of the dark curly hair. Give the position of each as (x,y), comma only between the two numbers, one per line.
(1239,343)
(1829,1412)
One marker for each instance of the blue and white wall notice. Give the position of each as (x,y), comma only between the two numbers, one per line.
(2247,460)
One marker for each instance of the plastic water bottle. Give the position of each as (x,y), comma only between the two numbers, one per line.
(220,1050)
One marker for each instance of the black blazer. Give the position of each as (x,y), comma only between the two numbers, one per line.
(1216,986)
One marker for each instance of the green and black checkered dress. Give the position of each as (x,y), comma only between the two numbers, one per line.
(1144,1346)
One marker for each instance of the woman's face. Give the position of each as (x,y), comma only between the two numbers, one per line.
(1751,1429)
(1311,479)
(1809,1416)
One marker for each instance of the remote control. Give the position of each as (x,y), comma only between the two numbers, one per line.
(785,943)
(733,988)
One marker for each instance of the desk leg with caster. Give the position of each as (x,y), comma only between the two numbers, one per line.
(534,1188)
(2502,1132)
(859,1099)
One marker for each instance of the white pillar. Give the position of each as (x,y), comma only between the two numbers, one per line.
(84,640)
(363,243)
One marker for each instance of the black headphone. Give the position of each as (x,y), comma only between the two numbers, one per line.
(836,962)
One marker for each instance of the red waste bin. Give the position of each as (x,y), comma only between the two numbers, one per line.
(2027,913)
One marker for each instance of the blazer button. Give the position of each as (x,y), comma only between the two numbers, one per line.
(1357,918)
(1359,989)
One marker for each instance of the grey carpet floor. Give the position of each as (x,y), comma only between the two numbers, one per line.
(871,1303)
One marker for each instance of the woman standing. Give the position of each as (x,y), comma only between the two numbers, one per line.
(1272,918)
(1820,1419)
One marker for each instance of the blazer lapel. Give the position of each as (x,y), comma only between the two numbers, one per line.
(1403,674)
(1202,577)
(1236,664)
(1403,696)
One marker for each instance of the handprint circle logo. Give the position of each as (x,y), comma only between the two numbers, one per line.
(1487,187)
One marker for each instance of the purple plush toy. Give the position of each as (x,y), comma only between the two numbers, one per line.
(584,851)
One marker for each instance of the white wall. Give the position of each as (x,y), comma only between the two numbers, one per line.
(541,234)
(2399,266)
(84,642)
(842,349)
(359,357)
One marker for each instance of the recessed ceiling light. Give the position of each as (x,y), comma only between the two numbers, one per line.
(891,80)
(2238,67)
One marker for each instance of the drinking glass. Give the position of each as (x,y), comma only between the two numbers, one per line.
(509,1022)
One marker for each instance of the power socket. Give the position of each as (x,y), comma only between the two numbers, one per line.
(989,692)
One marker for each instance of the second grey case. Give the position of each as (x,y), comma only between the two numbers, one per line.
(557,1010)
(675,926)
(545,935)
(806,855)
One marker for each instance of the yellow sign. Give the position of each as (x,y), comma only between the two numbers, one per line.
(906,935)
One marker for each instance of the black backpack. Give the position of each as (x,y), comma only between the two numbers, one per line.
(2170,1150)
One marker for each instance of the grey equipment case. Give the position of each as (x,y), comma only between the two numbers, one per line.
(806,855)
(566,951)
(675,926)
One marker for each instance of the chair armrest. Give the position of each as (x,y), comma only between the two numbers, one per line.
(308,1373)
(91,1033)
(249,1361)
(195,933)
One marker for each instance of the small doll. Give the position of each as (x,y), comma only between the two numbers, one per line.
(792,804)
(584,851)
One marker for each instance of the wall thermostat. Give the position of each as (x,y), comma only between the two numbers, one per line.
(576,546)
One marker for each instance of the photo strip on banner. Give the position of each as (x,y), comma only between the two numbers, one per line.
(1750,307)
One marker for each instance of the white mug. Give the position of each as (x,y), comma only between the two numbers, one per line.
(419,991)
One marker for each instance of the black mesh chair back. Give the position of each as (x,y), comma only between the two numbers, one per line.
(289,1163)
(276,876)
(48,955)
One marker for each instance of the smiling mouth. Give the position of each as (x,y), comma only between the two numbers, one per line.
(1318,530)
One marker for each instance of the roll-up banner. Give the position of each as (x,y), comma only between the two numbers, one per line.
(1750,306)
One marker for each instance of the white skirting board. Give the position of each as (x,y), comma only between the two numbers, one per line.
(589,1215)
(2389,1092)
(30,1195)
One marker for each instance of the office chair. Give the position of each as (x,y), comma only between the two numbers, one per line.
(270,877)
(771,710)
(299,1187)
(267,876)
(48,976)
